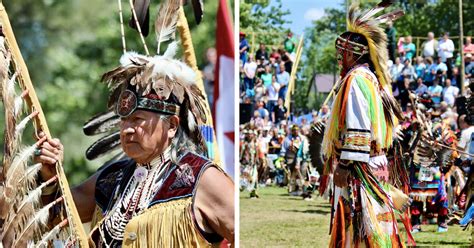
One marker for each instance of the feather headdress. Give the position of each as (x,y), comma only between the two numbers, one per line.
(366,24)
(374,48)
(159,84)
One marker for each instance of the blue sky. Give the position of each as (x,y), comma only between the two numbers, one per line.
(303,12)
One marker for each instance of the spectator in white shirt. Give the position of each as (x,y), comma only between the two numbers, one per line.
(430,46)
(250,68)
(466,133)
(450,93)
(445,51)
(272,92)
(396,69)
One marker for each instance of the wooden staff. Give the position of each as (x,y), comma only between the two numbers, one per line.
(291,85)
(190,59)
(40,123)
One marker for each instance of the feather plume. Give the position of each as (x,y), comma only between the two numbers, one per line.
(198,8)
(166,21)
(142,9)
(31,172)
(15,172)
(51,234)
(18,105)
(379,7)
(40,219)
(171,50)
(10,121)
(101,123)
(21,126)
(4,65)
(103,145)
(392,16)
(191,121)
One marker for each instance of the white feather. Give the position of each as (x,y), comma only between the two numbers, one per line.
(11,85)
(42,215)
(191,121)
(20,160)
(174,69)
(48,236)
(21,126)
(171,50)
(18,105)
(32,197)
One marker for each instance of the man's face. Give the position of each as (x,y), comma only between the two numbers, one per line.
(294,132)
(144,135)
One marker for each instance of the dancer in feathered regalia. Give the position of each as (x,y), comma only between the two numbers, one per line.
(358,134)
(163,192)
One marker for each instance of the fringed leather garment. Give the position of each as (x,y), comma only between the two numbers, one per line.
(168,218)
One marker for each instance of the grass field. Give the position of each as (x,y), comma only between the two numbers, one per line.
(279,220)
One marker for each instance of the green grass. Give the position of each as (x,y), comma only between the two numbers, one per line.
(279,220)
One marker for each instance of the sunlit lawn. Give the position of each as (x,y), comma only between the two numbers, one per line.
(279,220)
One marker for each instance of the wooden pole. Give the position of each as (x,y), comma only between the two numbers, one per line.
(291,85)
(461,38)
(41,124)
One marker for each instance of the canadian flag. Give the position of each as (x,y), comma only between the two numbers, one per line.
(224,88)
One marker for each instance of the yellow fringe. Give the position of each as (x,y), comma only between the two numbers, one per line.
(331,136)
(168,224)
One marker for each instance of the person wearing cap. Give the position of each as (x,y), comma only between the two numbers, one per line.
(164,192)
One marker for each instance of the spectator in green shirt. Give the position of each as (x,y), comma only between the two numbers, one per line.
(290,43)
(409,47)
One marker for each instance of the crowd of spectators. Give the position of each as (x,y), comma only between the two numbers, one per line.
(433,74)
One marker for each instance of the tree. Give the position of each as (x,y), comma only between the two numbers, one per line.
(263,20)
(420,18)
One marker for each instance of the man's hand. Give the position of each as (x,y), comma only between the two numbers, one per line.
(48,153)
(341,176)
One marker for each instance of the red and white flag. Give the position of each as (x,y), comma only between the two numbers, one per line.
(224,88)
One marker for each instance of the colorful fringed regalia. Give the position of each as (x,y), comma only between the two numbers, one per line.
(152,204)
(358,135)
(430,168)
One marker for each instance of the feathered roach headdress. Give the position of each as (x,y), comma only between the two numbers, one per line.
(366,24)
(158,83)
(367,40)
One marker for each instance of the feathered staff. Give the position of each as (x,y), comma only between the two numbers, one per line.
(23,218)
